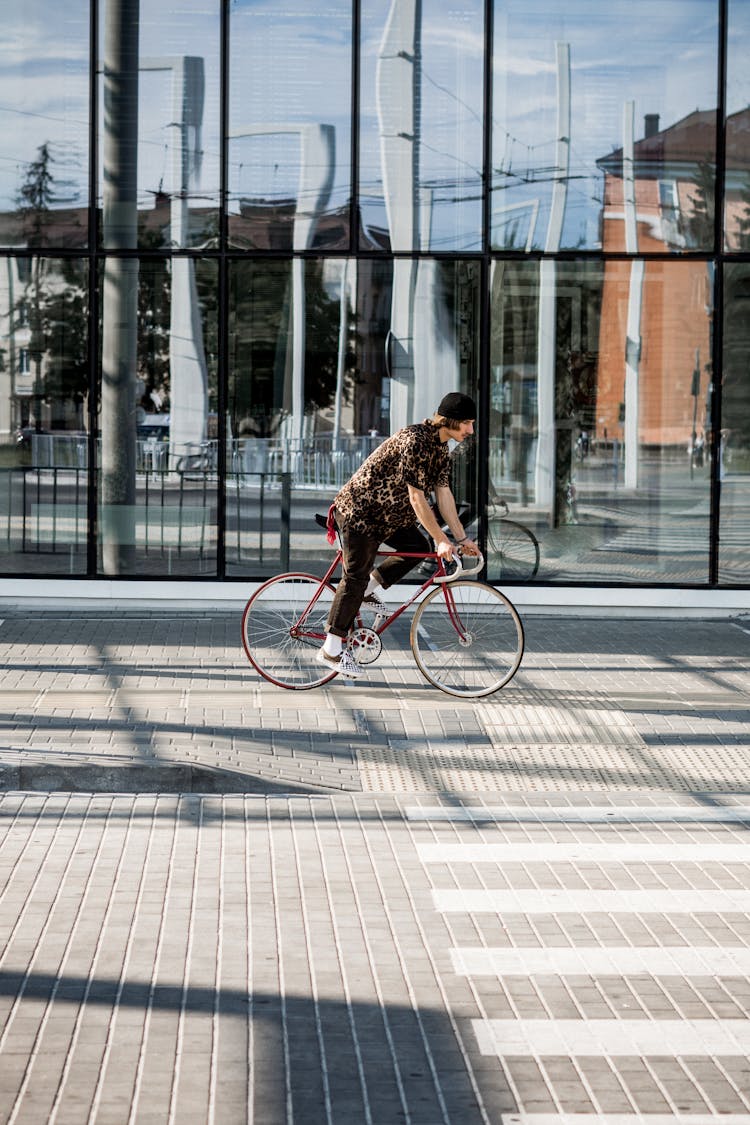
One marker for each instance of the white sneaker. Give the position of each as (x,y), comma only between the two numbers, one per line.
(373,602)
(345,664)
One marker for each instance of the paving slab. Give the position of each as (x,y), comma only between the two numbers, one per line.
(222,902)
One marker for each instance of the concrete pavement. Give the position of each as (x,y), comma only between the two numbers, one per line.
(225,902)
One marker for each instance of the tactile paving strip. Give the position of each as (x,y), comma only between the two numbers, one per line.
(567,720)
(434,766)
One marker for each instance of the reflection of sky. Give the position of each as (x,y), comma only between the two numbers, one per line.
(662,56)
(167,32)
(738,73)
(293,64)
(288,66)
(451,108)
(44,94)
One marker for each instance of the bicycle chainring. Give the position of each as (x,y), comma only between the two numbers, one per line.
(366,645)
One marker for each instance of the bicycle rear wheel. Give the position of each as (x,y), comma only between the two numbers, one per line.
(467,638)
(281,636)
(513,550)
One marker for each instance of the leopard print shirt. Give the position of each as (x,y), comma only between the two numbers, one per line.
(375,501)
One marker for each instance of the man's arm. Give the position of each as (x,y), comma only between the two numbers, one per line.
(447,505)
(426,517)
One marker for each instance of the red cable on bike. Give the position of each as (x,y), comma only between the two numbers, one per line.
(331,526)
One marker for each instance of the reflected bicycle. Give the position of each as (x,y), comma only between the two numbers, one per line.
(512,548)
(466,637)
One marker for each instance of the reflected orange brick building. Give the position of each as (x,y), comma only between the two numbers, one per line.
(673,195)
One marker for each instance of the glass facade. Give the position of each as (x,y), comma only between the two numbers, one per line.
(244,241)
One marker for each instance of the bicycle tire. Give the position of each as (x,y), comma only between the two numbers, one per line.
(513,551)
(283,657)
(485,657)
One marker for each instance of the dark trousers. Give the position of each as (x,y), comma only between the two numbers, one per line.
(359,554)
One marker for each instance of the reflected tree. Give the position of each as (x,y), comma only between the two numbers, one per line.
(54,303)
(743,222)
(735,390)
(260,334)
(63,336)
(35,197)
(34,200)
(577,328)
(154,295)
(699,223)
(322,343)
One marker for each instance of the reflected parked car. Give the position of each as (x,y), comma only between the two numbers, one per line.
(153,427)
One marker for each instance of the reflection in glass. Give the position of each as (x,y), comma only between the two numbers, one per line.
(599,420)
(421,124)
(159,430)
(604,136)
(44,76)
(162,99)
(289,170)
(737,175)
(734,442)
(44,444)
(311,396)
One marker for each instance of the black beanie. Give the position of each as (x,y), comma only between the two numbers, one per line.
(458,407)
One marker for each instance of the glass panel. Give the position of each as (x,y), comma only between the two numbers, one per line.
(422,69)
(737,187)
(599,393)
(158,422)
(159,119)
(44,76)
(604,122)
(43,416)
(289,172)
(308,405)
(734,446)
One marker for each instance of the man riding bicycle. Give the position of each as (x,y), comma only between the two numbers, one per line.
(383,502)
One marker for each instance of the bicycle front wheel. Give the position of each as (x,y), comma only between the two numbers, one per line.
(514,551)
(467,638)
(282,631)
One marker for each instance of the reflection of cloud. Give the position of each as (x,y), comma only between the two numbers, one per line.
(454,38)
(44,92)
(517,65)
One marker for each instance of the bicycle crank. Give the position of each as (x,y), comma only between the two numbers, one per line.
(365,644)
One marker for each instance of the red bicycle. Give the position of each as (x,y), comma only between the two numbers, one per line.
(466,637)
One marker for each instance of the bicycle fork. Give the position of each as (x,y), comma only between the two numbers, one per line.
(453,614)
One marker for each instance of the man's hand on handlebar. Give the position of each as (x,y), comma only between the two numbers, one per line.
(446,549)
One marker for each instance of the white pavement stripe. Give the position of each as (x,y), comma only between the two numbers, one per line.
(597,852)
(586,814)
(660,961)
(624,1119)
(553,901)
(613,1038)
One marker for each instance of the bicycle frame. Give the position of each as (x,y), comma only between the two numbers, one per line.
(298,629)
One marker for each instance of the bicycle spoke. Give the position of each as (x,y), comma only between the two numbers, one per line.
(513,551)
(468,639)
(271,615)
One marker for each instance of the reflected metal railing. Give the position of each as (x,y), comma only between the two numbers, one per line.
(45,511)
(45,502)
(317,462)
